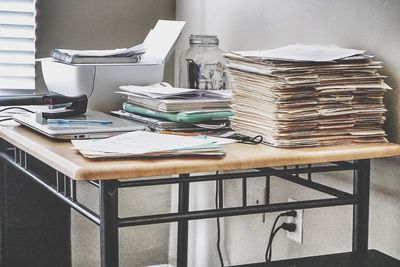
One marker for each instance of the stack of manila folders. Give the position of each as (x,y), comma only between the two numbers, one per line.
(165,108)
(308,95)
(148,144)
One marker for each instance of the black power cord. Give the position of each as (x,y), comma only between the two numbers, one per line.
(19,108)
(221,259)
(289,226)
(6,119)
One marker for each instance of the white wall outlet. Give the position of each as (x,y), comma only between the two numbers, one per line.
(297,235)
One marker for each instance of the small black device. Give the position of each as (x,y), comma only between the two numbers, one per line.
(74,105)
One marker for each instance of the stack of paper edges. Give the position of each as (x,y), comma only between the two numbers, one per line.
(165,108)
(299,96)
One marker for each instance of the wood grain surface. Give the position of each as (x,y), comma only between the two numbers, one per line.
(238,156)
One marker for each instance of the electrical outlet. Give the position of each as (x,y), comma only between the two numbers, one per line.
(297,235)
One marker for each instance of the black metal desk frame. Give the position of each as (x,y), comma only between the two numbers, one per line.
(109,221)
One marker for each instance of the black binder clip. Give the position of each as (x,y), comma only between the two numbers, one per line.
(246,139)
(252,140)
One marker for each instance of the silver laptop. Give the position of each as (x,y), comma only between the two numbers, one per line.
(100,125)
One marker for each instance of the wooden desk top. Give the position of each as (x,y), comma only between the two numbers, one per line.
(239,156)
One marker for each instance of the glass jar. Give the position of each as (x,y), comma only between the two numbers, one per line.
(202,65)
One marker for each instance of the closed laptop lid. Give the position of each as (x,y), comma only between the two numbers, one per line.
(83,130)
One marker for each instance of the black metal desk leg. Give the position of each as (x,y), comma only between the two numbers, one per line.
(3,226)
(361,208)
(109,223)
(183,232)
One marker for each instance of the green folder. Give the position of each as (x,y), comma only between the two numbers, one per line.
(183,117)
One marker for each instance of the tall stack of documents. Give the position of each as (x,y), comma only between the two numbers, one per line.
(164,108)
(307,95)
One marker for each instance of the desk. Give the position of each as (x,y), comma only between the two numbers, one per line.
(21,145)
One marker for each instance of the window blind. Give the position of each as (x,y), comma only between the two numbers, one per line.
(17,45)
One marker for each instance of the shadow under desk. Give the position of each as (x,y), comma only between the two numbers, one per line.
(374,259)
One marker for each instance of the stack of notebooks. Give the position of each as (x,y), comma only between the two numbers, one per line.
(307,95)
(164,108)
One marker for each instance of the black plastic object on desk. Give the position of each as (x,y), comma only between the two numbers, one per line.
(76,105)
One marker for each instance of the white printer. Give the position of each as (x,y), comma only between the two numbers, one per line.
(100,81)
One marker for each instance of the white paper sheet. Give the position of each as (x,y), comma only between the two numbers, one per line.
(140,142)
(162,92)
(301,52)
(135,50)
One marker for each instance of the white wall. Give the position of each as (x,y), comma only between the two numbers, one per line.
(260,24)
(97,24)
(106,24)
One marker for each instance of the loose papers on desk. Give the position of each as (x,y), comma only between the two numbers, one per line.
(148,144)
(305,95)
